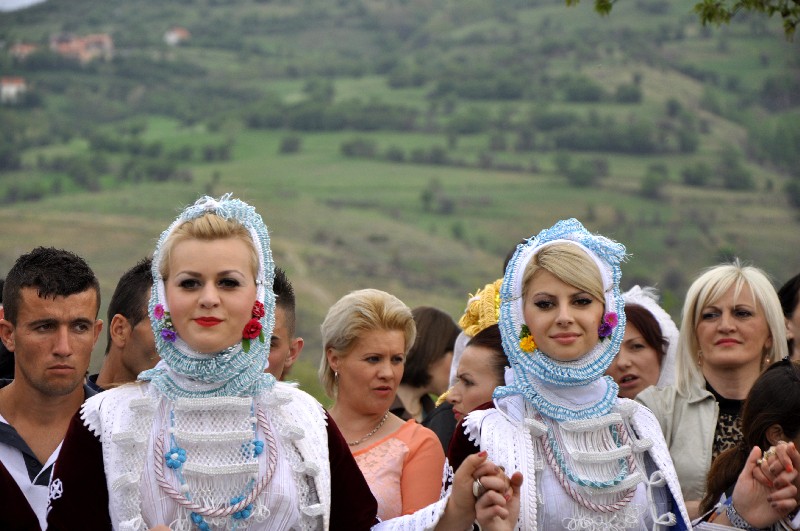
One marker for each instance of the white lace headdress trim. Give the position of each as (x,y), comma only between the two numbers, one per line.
(647,298)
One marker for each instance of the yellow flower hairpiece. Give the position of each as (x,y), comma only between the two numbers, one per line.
(483,309)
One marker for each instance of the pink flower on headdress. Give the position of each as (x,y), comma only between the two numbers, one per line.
(610,320)
(158,311)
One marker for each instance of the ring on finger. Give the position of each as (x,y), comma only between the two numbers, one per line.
(769,453)
(477,488)
(759,461)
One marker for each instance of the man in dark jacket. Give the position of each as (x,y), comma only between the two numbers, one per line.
(51,300)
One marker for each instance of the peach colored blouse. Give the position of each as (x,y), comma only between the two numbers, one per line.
(403,470)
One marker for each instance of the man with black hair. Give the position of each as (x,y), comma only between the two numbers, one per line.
(51,300)
(284,346)
(131,347)
(6,356)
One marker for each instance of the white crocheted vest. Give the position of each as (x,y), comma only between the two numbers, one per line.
(130,420)
(515,439)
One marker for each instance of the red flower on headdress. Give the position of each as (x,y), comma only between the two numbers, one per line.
(258,310)
(252,329)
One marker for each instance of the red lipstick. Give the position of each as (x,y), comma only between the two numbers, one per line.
(208,321)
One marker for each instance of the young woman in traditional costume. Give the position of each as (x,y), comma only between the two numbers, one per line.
(590,459)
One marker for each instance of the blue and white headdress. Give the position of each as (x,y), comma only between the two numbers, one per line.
(237,370)
(537,376)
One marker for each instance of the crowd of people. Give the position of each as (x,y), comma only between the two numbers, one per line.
(564,402)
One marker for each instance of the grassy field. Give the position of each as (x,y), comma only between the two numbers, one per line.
(340,224)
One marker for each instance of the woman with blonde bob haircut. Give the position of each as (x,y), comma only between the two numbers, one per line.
(366,336)
(357,312)
(732,329)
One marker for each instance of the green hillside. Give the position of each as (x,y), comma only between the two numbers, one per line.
(406,144)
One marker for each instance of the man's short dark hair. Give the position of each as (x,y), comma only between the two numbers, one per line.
(53,272)
(284,298)
(131,296)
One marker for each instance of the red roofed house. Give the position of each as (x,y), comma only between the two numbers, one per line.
(11,88)
(21,50)
(176,35)
(84,49)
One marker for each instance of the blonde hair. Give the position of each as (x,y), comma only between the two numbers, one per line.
(207,228)
(569,263)
(707,289)
(358,312)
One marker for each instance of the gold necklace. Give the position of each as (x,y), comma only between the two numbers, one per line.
(373,432)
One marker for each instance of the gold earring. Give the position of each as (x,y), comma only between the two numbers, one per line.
(699,358)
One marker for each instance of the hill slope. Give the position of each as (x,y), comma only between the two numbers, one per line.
(406,145)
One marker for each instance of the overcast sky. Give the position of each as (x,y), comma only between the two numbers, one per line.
(10,5)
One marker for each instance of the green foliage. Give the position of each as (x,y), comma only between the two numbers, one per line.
(359,147)
(777,140)
(469,121)
(731,170)
(722,11)
(792,190)
(290,144)
(395,154)
(584,173)
(320,90)
(435,200)
(582,89)
(628,93)
(9,157)
(697,174)
(654,181)
(673,107)
(636,136)
(405,75)
(779,93)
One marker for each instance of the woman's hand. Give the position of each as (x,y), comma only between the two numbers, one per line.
(460,510)
(779,462)
(499,513)
(761,505)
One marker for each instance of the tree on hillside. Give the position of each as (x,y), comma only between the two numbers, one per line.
(721,11)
